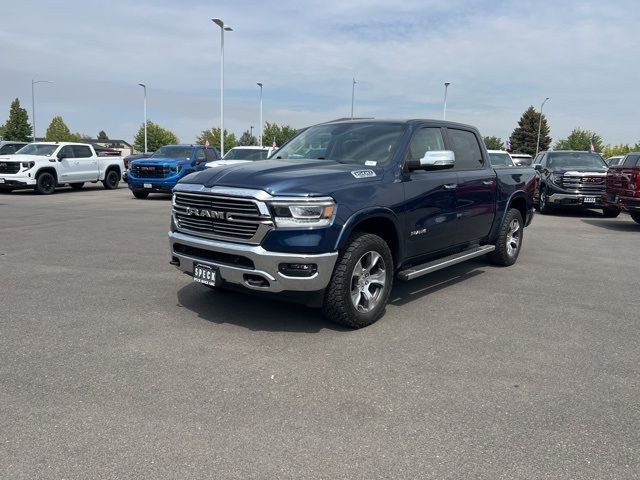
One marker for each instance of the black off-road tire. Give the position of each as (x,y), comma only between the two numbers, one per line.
(140,193)
(610,212)
(45,183)
(111,179)
(503,255)
(337,305)
(77,186)
(543,202)
(636,217)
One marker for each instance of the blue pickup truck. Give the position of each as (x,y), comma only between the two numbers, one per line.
(161,171)
(345,208)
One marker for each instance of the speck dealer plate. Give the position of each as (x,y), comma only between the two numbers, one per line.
(147,185)
(205,274)
(589,200)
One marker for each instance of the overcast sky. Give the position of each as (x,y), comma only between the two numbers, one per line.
(500,57)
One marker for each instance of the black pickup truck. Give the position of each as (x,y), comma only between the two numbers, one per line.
(346,207)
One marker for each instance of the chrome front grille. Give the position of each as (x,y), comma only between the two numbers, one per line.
(584,184)
(221,217)
(9,167)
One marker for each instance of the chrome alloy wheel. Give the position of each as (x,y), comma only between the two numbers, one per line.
(368,282)
(513,237)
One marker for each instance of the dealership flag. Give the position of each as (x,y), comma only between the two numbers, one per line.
(591,147)
(274,143)
(507,145)
(206,144)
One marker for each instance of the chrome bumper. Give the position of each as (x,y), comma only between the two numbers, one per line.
(559,197)
(266,264)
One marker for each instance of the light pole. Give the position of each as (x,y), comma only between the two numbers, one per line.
(540,125)
(223,27)
(353,93)
(444,111)
(251,131)
(260,131)
(33,104)
(145,115)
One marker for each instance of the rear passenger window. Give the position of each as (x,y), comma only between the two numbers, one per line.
(466,148)
(81,151)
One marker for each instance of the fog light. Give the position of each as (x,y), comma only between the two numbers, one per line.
(298,269)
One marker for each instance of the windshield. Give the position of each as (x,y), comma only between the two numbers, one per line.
(173,151)
(345,142)
(575,159)
(246,154)
(37,149)
(500,159)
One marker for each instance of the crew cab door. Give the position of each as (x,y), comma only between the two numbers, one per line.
(476,190)
(67,167)
(430,198)
(86,163)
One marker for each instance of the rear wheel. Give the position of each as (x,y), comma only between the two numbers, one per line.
(544,206)
(610,212)
(140,193)
(111,180)
(509,240)
(361,282)
(45,183)
(635,216)
(77,186)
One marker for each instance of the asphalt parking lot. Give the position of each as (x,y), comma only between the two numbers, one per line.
(115,365)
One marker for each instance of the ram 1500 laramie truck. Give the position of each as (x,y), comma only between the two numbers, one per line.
(346,207)
(161,171)
(44,166)
(623,186)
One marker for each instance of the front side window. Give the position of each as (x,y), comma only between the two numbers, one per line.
(425,140)
(67,151)
(466,148)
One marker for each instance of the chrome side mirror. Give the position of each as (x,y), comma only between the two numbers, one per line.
(434,160)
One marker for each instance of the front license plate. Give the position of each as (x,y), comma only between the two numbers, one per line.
(147,185)
(1,180)
(589,200)
(204,274)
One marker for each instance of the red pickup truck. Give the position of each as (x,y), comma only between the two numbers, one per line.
(623,186)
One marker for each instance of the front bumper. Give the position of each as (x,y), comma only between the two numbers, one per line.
(576,200)
(16,181)
(241,264)
(160,185)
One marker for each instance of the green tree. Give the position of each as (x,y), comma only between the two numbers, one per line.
(279,133)
(156,137)
(213,136)
(580,139)
(102,135)
(2,131)
(17,127)
(247,139)
(493,143)
(622,149)
(57,131)
(525,136)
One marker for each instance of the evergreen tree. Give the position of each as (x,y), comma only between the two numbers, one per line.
(246,139)
(494,143)
(525,136)
(57,131)
(156,137)
(102,136)
(213,136)
(580,139)
(17,127)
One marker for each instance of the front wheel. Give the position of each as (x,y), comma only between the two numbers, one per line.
(509,241)
(543,204)
(361,282)
(111,180)
(45,183)
(140,193)
(610,212)
(635,216)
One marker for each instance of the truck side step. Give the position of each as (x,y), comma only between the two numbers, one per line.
(468,254)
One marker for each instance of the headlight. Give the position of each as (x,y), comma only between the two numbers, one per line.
(176,168)
(27,165)
(557,178)
(312,213)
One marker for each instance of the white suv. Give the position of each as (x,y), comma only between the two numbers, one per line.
(45,165)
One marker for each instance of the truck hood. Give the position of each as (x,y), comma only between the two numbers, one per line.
(578,170)
(287,177)
(22,158)
(159,162)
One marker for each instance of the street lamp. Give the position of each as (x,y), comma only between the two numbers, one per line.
(540,125)
(260,131)
(223,27)
(145,115)
(353,93)
(251,131)
(444,111)
(33,104)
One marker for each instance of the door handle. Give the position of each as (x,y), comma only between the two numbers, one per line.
(487,182)
(450,186)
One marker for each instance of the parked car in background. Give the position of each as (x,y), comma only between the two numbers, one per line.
(613,161)
(8,147)
(623,186)
(44,166)
(335,226)
(500,158)
(161,171)
(521,158)
(128,159)
(241,155)
(568,178)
